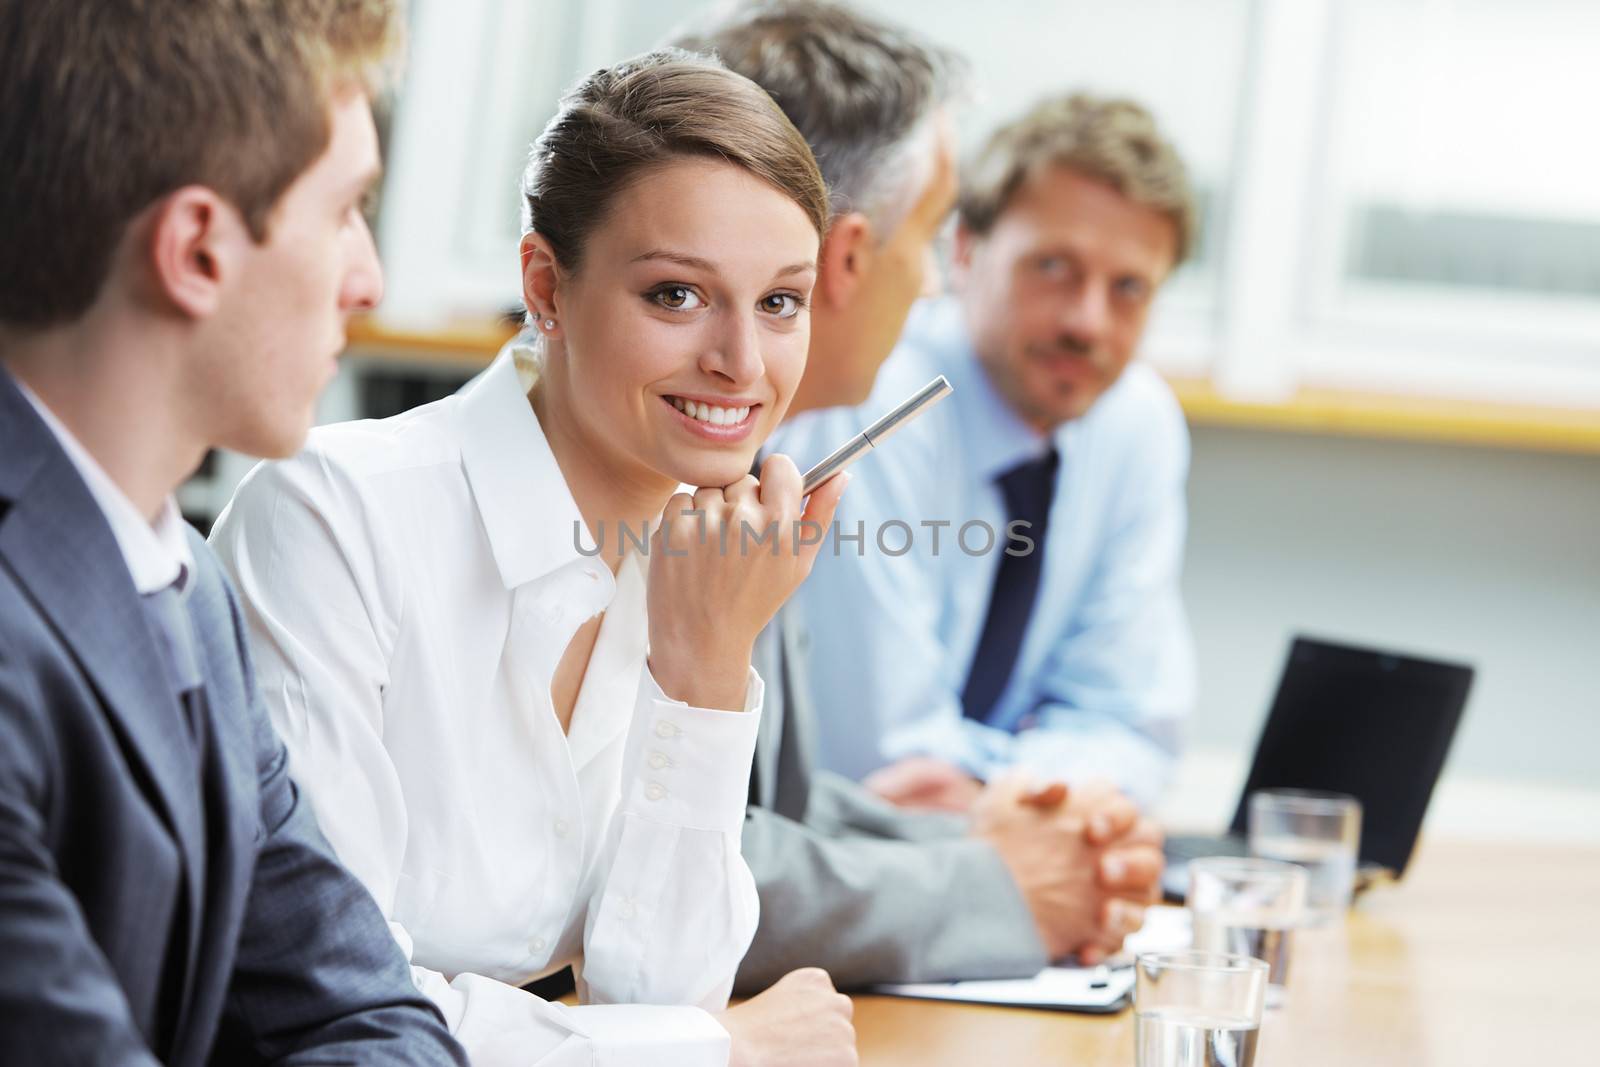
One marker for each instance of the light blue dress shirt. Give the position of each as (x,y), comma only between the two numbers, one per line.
(1105,676)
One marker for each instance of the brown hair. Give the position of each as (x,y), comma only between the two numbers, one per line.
(108,105)
(1114,141)
(620,123)
(857,88)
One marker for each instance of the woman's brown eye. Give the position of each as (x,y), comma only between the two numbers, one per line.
(783,305)
(676,298)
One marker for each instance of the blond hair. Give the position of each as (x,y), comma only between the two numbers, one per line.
(1111,140)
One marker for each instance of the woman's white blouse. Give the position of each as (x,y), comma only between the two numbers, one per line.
(410,586)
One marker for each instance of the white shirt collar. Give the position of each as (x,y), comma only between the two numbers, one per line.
(533,523)
(156,554)
(994,435)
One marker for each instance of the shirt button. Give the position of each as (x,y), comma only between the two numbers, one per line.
(537,946)
(655,790)
(666,729)
(659,760)
(560,827)
(627,909)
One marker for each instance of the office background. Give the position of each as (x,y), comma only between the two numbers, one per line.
(1400,200)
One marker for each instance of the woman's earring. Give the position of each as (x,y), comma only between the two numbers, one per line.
(549,324)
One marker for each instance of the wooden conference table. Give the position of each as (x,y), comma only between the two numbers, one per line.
(1485,954)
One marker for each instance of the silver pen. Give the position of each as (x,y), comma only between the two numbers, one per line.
(876,434)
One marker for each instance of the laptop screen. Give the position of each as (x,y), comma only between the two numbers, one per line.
(1364,722)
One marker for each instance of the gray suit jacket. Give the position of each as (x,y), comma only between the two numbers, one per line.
(164,894)
(853,884)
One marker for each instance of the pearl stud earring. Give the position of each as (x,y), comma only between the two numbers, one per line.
(549,324)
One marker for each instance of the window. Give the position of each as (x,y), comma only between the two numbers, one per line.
(1397,195)
(1185,61)
(485,76)
(1457,235)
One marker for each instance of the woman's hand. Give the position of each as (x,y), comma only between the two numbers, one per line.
(800,1022)
(722,563)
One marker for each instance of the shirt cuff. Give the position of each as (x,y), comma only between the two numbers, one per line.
(646,1035)
(690,766)
(984,751)
(978,749)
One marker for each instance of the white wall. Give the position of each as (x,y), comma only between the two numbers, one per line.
(1483,555)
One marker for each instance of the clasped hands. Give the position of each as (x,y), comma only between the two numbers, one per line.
(1085,861)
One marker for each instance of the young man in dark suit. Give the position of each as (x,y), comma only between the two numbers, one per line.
(183,244)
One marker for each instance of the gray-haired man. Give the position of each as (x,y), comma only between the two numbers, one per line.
(847,882)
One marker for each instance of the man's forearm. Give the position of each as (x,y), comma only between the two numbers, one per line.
(953,912)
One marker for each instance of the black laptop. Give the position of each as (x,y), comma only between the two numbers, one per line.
(1376,725)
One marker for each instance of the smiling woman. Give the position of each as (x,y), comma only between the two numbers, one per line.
(534,754)
(672,222)
(692,297)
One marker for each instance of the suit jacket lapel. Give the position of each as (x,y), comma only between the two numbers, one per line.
(57,543)
(231,800)
(233,804)
(792,791)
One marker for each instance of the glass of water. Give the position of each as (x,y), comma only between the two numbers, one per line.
(1248,907)
(1198,1009)
(1319,831)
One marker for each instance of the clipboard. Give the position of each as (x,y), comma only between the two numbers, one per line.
(1093,990)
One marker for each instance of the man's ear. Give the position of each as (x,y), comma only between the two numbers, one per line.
(194,239)
(845,259)
(961,252)
(541,280)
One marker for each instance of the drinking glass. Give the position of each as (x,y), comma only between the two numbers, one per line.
(1198,1009)
(1319,831)
(1248,907)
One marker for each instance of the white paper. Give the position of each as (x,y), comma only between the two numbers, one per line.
(1065,988)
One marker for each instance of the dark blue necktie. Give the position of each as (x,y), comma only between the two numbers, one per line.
(1028,489)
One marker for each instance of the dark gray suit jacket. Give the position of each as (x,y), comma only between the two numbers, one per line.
(159,900)
(852,884)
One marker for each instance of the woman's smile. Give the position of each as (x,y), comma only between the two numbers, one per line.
(726,420)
